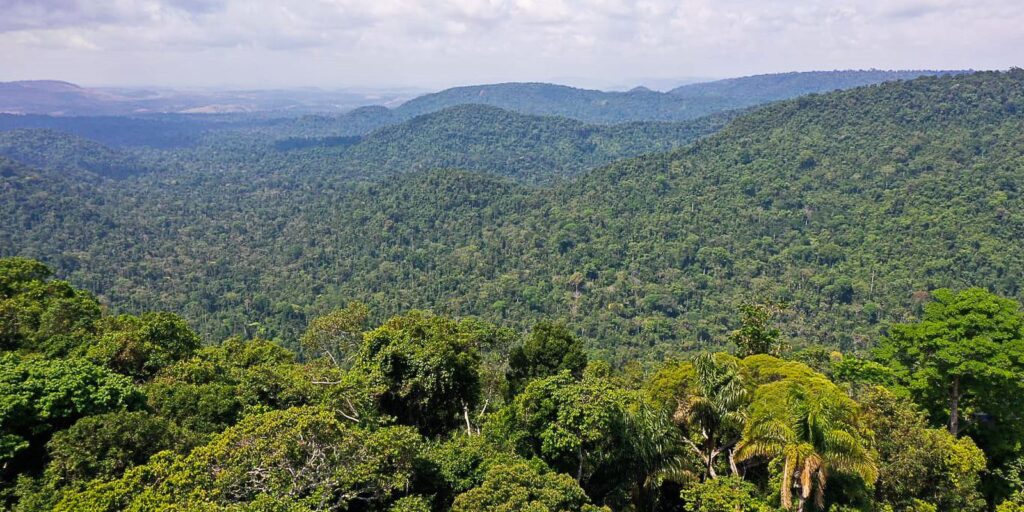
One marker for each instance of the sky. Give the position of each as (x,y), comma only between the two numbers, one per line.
(432,44)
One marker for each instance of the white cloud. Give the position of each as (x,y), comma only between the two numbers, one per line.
(362,42)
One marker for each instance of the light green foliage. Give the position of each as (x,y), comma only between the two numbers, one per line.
(549,349)
(862,372)
(726,494)
(411,504)
(524,487)
(963,360)
(305,455)
(42,315)
(757,333)
(920,463)
(711,410)
(808,428)
(17,275)
(220,384)
(139,346)
(337,335)
(426,368)
(40,396)
(1014,504)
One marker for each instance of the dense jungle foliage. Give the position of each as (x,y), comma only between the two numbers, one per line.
(419,413)
(168,131)
(844,210)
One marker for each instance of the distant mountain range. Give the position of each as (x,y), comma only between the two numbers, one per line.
(754,90)
(592,106)
(642,104)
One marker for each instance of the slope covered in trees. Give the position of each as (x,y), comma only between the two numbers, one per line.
(491,140)
(471,137)
(62,152)
(424,413)
(641,104)
(845,208)
(757,89)
(682,104)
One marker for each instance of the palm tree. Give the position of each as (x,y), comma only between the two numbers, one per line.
(812,436)
(656,455)
(715,409)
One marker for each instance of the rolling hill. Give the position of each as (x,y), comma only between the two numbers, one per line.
(758,89)
(491,140)
(848,206)
(48,149)
(642,104)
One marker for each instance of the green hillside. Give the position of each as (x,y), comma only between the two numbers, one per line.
(491,140)
(67,153)
(757,89)
(848,206)
(641,104)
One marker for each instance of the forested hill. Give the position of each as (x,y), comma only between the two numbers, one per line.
(67,153)
(641,104)
(849,207)
(559,100)
(757,89)
(173,131)
(488,139)
(532,149)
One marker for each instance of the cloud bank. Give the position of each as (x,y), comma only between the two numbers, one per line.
(334,43)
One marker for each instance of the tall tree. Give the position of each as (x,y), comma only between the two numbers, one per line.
(426,368)
(712,411)
(550,349)
(810,430)
(964,360)
(757,333)
(336,335)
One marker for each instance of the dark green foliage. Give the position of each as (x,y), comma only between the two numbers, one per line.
(214,389)
(105,445)
(964,362)
(427,370)
(456,465)
(529,148)
(164,132)
(67,154)
(577,427)
(550,349)
(918,463)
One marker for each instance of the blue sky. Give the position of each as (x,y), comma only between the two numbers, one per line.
(599,43)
